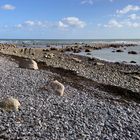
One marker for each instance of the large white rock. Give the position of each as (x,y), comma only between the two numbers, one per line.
(28,64)
(56,87)
(9,104)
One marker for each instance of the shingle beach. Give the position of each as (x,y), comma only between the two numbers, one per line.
(93,106)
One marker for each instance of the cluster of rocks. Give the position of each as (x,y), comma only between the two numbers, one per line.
(121,45)
(55,86)
(27,50)
(74,49)
(132,52)
(6,46)
(77,48)
(129,52)
(12,104)
(49,55)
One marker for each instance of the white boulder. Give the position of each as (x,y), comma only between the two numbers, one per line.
(28,64)
(9,104)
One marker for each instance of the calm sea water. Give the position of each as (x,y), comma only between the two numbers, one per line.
(66,41)
(108,55)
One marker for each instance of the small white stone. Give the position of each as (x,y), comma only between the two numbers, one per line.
(76,59)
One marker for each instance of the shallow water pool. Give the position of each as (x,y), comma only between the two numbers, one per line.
(108,54)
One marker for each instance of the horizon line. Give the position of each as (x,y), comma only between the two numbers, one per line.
(69,39)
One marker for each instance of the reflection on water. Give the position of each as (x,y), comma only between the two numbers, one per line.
(107,54)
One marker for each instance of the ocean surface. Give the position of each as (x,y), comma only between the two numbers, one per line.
(66,41)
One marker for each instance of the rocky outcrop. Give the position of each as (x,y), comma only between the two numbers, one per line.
(119,50)
(75,50)
(6,46)
(87,50)
(132,52)
(133,62)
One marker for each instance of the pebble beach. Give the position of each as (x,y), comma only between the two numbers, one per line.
(101,99)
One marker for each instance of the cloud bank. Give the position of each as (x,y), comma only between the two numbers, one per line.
(68,22)
(127,9)
(71,22)
(8,7)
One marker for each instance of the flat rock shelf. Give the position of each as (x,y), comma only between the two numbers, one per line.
(82,113)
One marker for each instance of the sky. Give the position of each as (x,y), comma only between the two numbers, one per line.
(70,19)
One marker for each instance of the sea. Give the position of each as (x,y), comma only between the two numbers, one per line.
(66,41)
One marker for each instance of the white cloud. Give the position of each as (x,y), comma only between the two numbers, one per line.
(118,24)
(133,17)
(122,19)
(18,26)
(35,23)
(87,2)
(29,22)
(8,7)
(62,25)
(127,9)
(65,23)
(131,24)
(39,23)
(92,1)
(113,23)
(135,24)
(71,22)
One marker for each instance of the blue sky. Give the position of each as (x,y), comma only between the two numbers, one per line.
(70,19)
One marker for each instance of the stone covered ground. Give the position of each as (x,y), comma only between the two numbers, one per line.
(83,113)
(108,73)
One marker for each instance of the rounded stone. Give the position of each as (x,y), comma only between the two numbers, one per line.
(9,104)
(28,64)
(56,86)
